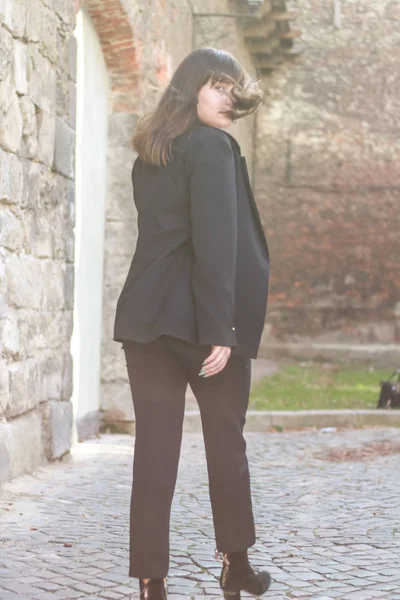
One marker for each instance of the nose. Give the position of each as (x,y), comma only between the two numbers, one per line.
(229,101)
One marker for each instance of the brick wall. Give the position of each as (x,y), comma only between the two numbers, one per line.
(328,164)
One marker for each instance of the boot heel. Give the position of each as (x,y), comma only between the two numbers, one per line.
(231,595)
(238,575)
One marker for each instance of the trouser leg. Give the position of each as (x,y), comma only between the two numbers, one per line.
(158,386)
(223,401)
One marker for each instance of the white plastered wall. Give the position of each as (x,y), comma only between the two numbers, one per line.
(91,153)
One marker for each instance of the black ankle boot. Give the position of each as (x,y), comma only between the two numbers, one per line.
(154,589)
(237,574)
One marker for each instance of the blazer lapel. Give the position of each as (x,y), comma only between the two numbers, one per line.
(253,202)
(243,165)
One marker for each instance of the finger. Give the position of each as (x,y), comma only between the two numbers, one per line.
(217,351)
(217,370)
(221,353)
(211,371)
(215,367)
(217,364)
(214,353)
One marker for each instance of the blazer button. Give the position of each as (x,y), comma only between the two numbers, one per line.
(233,329)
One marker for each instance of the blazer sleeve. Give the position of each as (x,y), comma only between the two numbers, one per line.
(213,213)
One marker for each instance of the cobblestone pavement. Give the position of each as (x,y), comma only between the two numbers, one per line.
(326,530)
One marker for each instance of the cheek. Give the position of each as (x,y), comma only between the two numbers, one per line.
(214,99)
(209,101)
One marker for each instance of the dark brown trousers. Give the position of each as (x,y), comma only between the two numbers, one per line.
(159,373)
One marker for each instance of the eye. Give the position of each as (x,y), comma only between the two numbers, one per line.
(219,87)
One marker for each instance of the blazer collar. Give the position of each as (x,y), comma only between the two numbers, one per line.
(235,143)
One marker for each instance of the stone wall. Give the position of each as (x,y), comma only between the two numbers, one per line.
(142,43)
(36,220)
(328,164)
(163,38)
(162,35)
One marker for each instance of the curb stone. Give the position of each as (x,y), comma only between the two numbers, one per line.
(261,420)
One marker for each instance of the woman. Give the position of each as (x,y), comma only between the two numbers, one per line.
(192,311)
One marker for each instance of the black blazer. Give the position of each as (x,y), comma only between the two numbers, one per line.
(201,264)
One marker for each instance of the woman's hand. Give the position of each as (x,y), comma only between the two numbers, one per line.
(216,361)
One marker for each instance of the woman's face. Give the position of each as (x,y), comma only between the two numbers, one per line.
(214,104)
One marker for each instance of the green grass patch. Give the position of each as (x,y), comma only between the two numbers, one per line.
(317,386)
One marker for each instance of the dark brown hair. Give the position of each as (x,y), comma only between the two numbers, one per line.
(176,110)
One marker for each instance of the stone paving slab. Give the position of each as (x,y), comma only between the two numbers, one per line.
(325,530)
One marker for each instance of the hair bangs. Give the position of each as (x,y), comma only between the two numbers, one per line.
(223,67)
